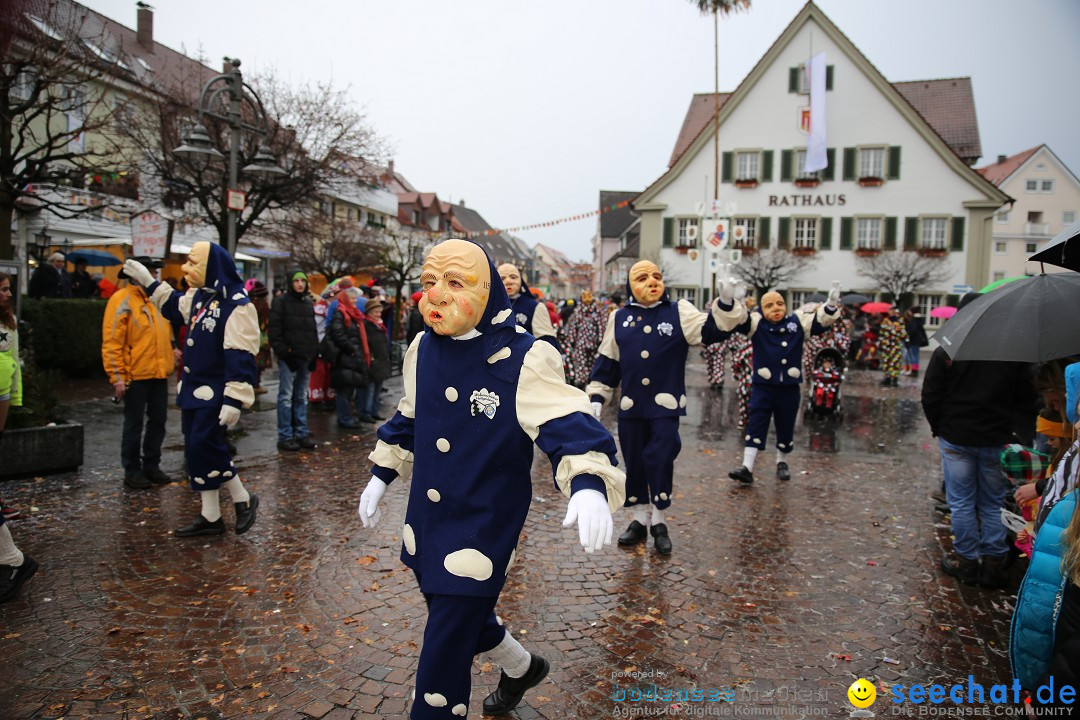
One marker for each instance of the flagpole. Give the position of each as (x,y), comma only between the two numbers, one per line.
(716,102)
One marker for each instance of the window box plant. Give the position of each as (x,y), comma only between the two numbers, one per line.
(932,252)
(871,182)
(807,182)
(748,183)
(682,249)
(802,250)
(867,251)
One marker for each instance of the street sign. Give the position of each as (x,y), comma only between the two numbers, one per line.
(736,255)
(149,232)
(236,200)
(962,289)
(714,261)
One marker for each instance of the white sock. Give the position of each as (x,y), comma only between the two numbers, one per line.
(748,457)
(641,514)
(211,505)
(781,456)
(510,656)
(9,554)
(657,516)
(237,491)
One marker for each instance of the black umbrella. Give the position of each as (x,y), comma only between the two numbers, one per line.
(854,299)
(1029,320)
(1063,249)
(817,297)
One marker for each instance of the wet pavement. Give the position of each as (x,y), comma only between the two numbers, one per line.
(781,594)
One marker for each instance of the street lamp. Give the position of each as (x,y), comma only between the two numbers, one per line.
(42,241)
(224,98)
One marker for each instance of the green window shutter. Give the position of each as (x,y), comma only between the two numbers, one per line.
(911,233)
(782,239)
(957,233)
(669,232)
(849,163)
(894,162)
(952,300)
(828,77)
(787,157)
(890,233)
(825,234)
(887,297)
(763,232)
(793,80)
(846,232)
(829,173)
(766,165)
(728,163)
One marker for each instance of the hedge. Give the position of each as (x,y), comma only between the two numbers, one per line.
(65,335)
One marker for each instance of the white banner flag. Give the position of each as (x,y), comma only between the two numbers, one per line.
(816,155)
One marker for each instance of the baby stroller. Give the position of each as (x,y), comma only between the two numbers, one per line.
(826,377)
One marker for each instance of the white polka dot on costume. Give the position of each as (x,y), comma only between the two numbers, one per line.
(794,372)
(238,296)
(451,394)
(519,328)
(198,304)
(460,709)
(645,353)
(656,499)
(783,343)
(502,354)
(433,495)
(469,563)
(187,369)
(213,473)
(204,392)
(645,381)
(227,473)
(443,444)
(190,342)
(647,329)
(783,361)
(179,385)
(626,403)
(434,699)
(747,437)
(510,562)
(501,316)
(663,496)
(765,372)
(757,441)
(199,480)
(682,401)
(408,538)
(666,400)
(632,499)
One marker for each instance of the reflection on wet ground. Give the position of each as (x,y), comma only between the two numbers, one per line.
(781,594)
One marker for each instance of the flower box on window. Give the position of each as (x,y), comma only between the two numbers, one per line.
(807,182)
(932,252)
(867,251)
(871,181)
(746,249)
(682,249)
(751,183)
(803,250)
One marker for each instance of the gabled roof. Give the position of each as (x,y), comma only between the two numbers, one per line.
(555,255)
(499,247)
(698,115)
(948,105)
(999,172)
(614,222)
(929,95)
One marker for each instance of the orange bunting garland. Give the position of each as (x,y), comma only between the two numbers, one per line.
(549,223)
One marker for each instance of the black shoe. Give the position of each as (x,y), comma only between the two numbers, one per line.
(245,513)
(136,481)
(634,534)
(201,526)
(782,472)
(349,426)
(156,476)
(377,416)
(367,419)
(742,475)
(992,574)
(661,539)
(289,445)
(306,443)
(12,578)
(887,382)
(510,690)
(963,569)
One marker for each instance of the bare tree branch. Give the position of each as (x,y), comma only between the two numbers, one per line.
(900,272)
(768,269)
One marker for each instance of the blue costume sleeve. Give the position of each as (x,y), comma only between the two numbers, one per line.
(572,435)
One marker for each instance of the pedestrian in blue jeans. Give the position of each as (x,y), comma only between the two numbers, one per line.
(379,370)
(974,408)
(295,341)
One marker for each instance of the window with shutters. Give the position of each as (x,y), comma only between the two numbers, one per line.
(750,239)
(748,166)
(805,234)
(934,233)
(688,232)
(871,163)
(927,303)
(800,167)
(868,233)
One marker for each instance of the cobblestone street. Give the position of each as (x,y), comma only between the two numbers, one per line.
(784,592)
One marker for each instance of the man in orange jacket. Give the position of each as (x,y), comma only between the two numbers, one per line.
(137,351)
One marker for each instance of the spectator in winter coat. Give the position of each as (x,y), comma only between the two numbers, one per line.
(416,320)
(82,285)
(295,341)
(916,340)
(379,371)
(349,372)
(50,280)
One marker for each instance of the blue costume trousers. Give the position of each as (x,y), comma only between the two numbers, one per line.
(458,628)
(779,403)
(208,461)
(649,449)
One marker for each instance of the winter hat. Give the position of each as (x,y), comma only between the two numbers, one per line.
(1050,428)
(298,275)
(258,290)
(417,295)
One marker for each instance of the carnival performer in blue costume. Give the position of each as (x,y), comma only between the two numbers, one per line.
(644,353)
(530,313)
(777,339)
(218,377)
(479,392)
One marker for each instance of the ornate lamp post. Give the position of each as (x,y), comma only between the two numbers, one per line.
(224,98)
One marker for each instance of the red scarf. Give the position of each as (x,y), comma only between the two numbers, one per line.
(351,313)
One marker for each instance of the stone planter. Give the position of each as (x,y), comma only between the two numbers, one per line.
(41,450)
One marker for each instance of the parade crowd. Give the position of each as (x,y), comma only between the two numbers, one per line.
(491,370)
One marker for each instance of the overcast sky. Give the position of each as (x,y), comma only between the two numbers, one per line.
(526,110)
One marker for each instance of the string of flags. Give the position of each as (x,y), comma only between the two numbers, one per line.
(550,223)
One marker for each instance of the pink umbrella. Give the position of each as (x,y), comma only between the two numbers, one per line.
(945,312)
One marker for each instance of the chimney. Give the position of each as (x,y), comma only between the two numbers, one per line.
(390,169)
(1002,158)
(145,27)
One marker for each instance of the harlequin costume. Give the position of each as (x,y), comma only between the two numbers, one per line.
(474,405)
(742,367)
(713,355)
(643,353)
(218,375)
(581,335)
(891,338)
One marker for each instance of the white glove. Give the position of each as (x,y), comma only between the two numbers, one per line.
(834,295)
(740,290)
(369,502)
(138,272)
(228,415)
(726,290)
(589,509)
(597,408)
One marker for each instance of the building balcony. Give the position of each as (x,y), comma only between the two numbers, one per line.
(1036,228)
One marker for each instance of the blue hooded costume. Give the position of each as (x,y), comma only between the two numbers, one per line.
(218,363)
(532,315)
(473,408)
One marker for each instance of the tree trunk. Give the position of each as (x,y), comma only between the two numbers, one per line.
(7,249)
